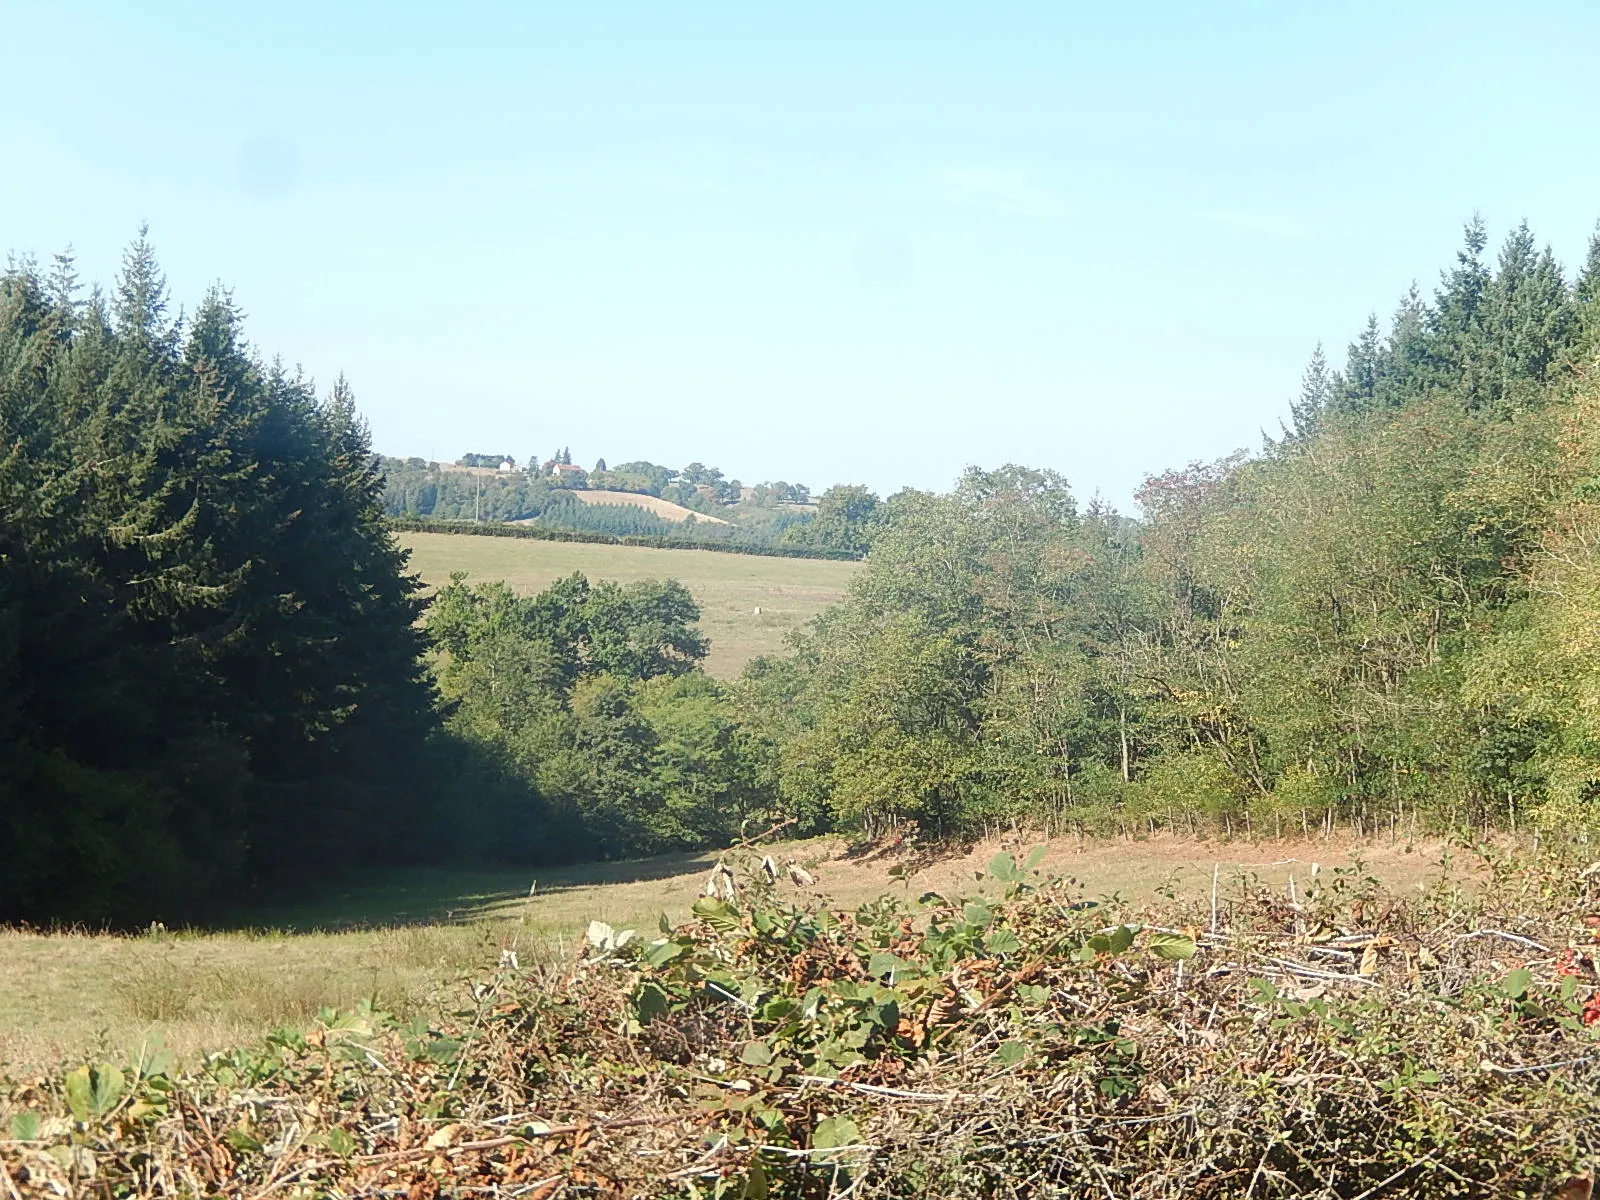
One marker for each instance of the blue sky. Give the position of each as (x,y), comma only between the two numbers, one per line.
(867,243)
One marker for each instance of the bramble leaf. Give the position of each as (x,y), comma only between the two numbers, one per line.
(1174,947)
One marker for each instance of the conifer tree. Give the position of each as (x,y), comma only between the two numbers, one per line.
(1358,386)
(1316,395)
(1459,354)
(1527,317)
(1404,374)
(222,669)
(1586,302)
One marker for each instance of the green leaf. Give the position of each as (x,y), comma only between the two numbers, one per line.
(978,913)
(892,967)
(80,1093)
(339,1141)
(756,1054)
(108,1088)
(755,1183)
(1263,991)
(778,1008)
(812,1004)
(651,1002)
(444,1051)
(1004,868)
(1002,941)
(1517,983)
(25,1125)
(832,1132)
(1113,941)
(1011,1053)
(664,952)
(242,1140)
(1174,947)
(718,914)
(1035,857)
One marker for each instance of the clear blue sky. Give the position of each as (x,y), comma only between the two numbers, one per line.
(824,242)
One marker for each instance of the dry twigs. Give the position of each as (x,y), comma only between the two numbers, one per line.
(1247,1046)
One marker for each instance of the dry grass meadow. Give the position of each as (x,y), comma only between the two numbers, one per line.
(403,938)
(665,509)
(728,587)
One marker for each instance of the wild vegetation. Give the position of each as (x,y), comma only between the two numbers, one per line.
(216,670)
(605,736)
(1386,615)
(1335,1041)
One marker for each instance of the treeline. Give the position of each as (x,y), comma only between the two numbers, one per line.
(679,541)
(415,489)
(209,664)
(495,487)
(1391,613)
(215,669)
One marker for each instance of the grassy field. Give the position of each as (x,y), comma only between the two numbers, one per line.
(729,587)
(665,509)
(404,938)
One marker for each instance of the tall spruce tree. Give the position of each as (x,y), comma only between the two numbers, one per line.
(1357,388)
(1403,376)
(1316,395)
(1528,319)
(1459,353)
(208,651)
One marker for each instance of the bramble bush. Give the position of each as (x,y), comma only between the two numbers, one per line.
(1335,1040)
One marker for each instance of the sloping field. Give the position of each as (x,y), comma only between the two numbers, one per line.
(728,587)
(665,509)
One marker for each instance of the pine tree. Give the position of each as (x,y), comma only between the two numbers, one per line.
(1457,343)
(1529,321)
(1358,387)
(1404,375)
(1586,302)
(1316,394)
(221,644)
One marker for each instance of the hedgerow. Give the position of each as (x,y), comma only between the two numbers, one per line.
(720,545)
(1337,1040)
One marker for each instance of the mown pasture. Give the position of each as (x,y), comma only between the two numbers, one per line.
(729,588)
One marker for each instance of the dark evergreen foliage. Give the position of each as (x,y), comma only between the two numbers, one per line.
(207,638)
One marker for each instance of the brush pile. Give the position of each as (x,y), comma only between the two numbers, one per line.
(1335,1041)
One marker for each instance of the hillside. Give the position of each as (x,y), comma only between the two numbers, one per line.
(664,509)
(728,587)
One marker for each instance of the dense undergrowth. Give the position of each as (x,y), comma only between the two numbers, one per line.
(1332,1040)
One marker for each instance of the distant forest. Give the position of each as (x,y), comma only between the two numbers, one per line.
(215,669)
